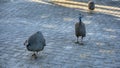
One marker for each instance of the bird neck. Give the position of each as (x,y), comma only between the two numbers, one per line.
(80,20)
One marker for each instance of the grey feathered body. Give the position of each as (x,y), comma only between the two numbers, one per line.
(91,5)
(80,29)
(36,42)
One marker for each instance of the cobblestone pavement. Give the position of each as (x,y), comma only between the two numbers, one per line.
(21,18)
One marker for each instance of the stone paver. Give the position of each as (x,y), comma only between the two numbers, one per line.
(21,18)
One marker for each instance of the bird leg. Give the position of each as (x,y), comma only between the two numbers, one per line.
(81,41)
(77,41)
(90,11)
(37,53)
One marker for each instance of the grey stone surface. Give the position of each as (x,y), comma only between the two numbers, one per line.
(21,18)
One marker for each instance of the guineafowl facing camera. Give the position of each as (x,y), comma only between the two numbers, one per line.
(80,30)
(35,43)
(91,6)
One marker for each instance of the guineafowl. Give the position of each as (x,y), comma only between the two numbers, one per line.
(35,43)
(91,5)
(80,30)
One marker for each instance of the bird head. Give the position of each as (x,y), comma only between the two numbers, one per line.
(80,16)
(26,43)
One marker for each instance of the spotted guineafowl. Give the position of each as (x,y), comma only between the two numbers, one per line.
(80,30)
(35,43)
(91,6)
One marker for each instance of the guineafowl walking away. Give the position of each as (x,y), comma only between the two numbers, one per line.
(80,30)
(91,6)
(35,43)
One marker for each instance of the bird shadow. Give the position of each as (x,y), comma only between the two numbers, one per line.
(79,43)
(37,58)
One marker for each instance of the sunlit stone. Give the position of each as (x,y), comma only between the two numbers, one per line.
(110,30)
(49,26)
(67,19)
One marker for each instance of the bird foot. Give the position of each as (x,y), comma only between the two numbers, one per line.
(81,43)
(77,42)
(34,56)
